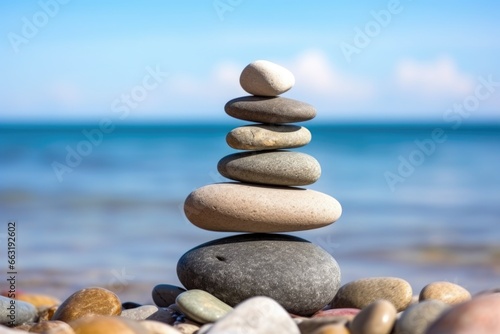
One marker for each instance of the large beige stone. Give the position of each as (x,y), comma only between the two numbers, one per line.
(241,207)
(265,78)
(447,292)
(268,137)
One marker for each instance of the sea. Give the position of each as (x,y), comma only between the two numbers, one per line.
(104,207)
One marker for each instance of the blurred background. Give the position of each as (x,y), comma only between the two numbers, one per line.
(111,114)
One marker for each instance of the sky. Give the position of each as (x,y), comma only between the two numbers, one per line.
(169,61)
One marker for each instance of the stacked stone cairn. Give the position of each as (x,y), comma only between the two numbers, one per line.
(265,199)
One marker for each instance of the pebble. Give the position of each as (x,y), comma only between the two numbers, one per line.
(164,295)
(156,327)
(187,328)
(15,312)
(130,305)
(377,318)
(480,315)
(239,207)
(362,292)
(257,315)
(90,301)
(39,300)
(309,326)
(106,325)
(149,312)
(280,168)
(417,318)
(348,313)
(297,274)
(265,78)
(272,110)
(332,329)
(447,292)
(202,307)
(268,137)
(54,326)
(46,313)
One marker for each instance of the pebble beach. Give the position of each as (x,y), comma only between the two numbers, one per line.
(261,272)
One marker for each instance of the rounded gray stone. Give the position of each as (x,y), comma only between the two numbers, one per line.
(265,78)
(272,110)
(280,168)
(297,274)
(164,295)
(417,318)
(15,312)
(268,137)
(202,307)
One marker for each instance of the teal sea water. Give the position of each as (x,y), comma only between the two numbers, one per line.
(115,218)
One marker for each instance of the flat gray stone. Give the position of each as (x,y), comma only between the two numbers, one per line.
(164,294)
(16,312)
(268,137)
(280,168)
(242,207)
(297,274)
(417,318)
(202,307)
(265,78)
(150,312)
(257,315)
(362,292)
(272,110)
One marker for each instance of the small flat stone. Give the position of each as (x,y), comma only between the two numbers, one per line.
(187,328)
(130,305)
(106,325)
(257,315)
(202,307)
(239,207)
(39,300)
(309,326)
(90,301)
(265,78)
(268,137)
(272,110)
(332,329)
(297,274)
(480,315)
(156,327)
(15,312)
(280,168)
(362,292)
(54,326)
(348,313)
(164,294)
(377,318)
(417,318)
(447,292)
(150,312)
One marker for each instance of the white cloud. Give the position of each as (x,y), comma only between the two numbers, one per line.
(437,79)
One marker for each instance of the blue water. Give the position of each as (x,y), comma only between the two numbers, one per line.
(116,219)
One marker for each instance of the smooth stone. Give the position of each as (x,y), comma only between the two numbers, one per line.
(309,326)
(348,313)
(55,326)
(377,318)
(257,315)
(156,327)
(24,312)
(265,78)
(130,305)
(240,207)
(447,292)
(187,328)
(149,312)
(332,329)
(417,318)
(39,300)
(202,307)
(46,313)
(480,315)
(106,325)
(363,292)
(297,274)
(164,294)
(272,110)
(90,301)
(280,168)
(268,137)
